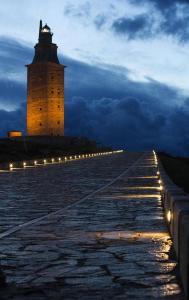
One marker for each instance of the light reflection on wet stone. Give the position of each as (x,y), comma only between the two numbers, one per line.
(114,244)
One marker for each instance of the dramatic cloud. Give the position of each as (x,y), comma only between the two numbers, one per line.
(14,57)
(138,27)
(161,4)
(100,20)
(164,4)
(102,103)
(13,120)
(176,23)
(12,93)
(78,11)
(167,17)
(130,123)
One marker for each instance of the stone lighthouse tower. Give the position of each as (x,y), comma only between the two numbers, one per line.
(45,88)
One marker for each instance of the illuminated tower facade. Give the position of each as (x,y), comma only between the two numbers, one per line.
(45,88)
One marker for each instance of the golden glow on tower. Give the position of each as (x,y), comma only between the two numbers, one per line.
(45,89)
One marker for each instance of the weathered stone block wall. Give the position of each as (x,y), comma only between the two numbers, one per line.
(45,99)
(176,206)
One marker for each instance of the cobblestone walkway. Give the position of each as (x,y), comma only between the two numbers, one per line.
(26,194)
(113,243)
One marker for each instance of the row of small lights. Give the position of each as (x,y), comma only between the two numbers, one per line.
(168,214)
(158,173)
(64,159)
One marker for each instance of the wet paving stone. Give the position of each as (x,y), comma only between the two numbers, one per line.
(113,244)
(31,193)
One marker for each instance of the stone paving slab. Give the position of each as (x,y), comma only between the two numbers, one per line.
(114,244)
(31,193)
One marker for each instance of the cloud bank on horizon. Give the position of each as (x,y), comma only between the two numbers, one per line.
(126,81)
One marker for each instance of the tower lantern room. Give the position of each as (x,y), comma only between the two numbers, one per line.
(45,88)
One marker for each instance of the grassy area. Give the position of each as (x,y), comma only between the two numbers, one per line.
(177,168)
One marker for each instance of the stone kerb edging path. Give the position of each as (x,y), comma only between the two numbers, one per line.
(176,206)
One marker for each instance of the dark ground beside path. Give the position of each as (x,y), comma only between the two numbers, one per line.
(177,168)
(28,148)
